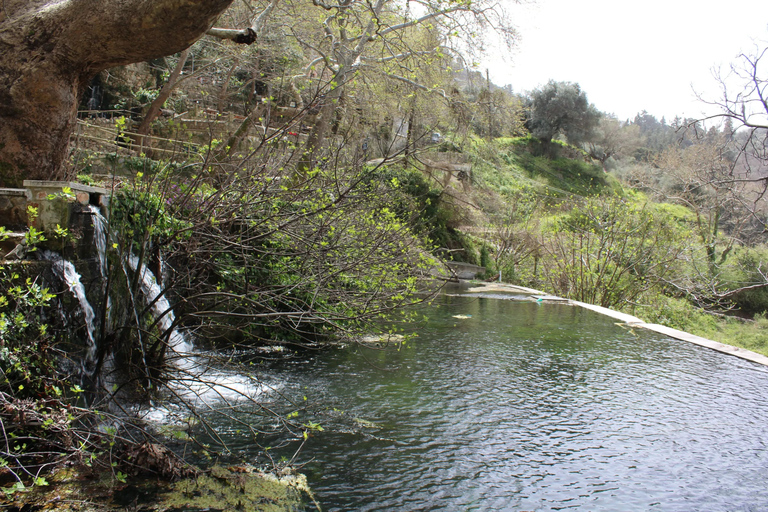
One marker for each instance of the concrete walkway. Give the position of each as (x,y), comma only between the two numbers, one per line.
(629,320)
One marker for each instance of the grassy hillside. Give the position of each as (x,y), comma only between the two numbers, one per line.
(562,224)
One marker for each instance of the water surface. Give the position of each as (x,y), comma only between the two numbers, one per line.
(526,406)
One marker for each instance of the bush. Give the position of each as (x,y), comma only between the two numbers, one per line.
(744,271)
(26,360)
(608,251)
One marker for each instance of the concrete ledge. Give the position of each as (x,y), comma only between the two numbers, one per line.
(678,335)
(704,342)
(84,194)
(503,287)
(465,271)
(627,319)
(15,192)
(60,184)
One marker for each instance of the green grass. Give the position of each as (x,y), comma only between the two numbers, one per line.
(751,335)
(512,164)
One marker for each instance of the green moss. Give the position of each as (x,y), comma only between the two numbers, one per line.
(243,489)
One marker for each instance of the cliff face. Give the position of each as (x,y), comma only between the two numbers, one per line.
(52,49)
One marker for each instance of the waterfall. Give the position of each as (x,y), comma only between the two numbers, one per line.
(161,308)
(100,230)
(100,237)
(199,381)
(65,271)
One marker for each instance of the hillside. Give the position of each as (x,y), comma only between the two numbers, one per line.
(564,225)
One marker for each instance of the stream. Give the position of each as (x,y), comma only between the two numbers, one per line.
(506,405)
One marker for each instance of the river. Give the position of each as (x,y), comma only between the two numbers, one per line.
(506,405)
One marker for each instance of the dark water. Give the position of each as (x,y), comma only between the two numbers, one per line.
(532,407)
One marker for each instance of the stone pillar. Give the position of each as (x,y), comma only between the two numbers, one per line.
(54,201)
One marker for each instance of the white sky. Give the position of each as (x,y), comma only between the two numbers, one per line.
(630,56)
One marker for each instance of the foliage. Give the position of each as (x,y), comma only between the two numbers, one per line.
(26,362)
(43,423)
(143,216)
(562,108)
(260,262)
(613,139)
(513,233)
(422,206)
(517,167)
(746,273)
(609,252)
(656,135)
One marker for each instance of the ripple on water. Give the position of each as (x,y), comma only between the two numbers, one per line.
(536,407)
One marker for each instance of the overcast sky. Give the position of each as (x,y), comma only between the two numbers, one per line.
(630,56)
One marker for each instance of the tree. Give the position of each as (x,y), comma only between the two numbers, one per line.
(387,39)
(656,135)
(743,107)
(613,138)
(52,49)
(719,213)
(610,252)
(562,108)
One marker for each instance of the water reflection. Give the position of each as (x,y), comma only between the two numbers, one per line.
(521,406)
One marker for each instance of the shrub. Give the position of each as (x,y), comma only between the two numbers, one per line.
(608,251)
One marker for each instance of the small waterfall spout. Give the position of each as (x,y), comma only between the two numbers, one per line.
(65,270)
(100,237)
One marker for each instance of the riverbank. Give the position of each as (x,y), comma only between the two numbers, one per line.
(79,489)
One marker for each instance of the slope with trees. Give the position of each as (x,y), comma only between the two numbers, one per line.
(337,156)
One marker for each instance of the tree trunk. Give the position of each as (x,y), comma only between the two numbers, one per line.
(154,109)
(51,49)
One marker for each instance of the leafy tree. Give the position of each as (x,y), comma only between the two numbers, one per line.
(610,252)
(388,40)
(613,138)
(513,234)
(562,108)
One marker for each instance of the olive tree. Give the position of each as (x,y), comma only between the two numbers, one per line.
(613,139)
(561,108)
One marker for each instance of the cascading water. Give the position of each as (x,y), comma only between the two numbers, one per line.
(161,308)
(100,237)
(65,270)
(199,382)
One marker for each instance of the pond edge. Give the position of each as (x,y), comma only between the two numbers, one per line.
(630,321)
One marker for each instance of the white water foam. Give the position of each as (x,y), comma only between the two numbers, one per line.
(196,381)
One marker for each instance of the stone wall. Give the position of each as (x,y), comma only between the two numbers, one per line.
(55,202)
